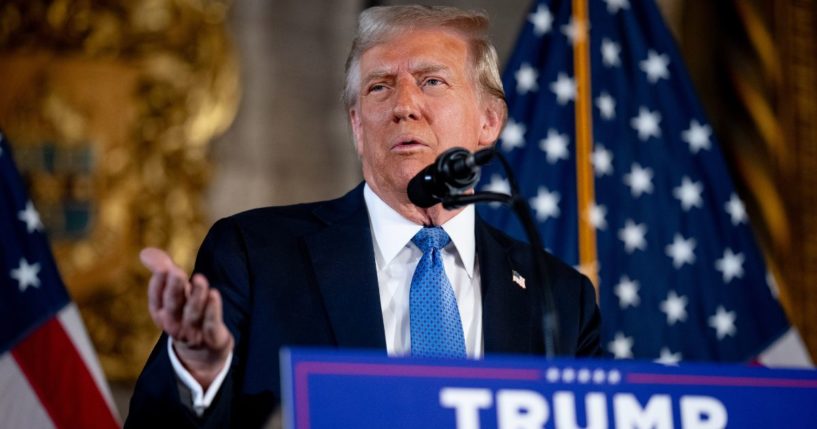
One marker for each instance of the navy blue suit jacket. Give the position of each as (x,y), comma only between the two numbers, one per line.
(305,275)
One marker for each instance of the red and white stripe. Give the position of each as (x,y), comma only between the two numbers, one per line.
(52,379)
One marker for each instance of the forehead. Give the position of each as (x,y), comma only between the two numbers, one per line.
(417,48)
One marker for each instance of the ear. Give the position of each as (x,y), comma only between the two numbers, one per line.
(357,130)
(493,118)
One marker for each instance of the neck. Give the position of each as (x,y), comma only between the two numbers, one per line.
(433,216)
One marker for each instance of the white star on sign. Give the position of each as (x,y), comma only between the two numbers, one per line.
(31,218)
(639,180)
(627,293)
(565,88)
(610,51)
(597,216)
(606,105)
(621,347)
(541,20)
(513,135)
(723,322)
(498,184)
(675,307)
(682,251)
(554,145)
(736,210)
(731,265)
(697,136)
(574,30)
(633,236)
(667,357)
(646,123)
(613,6)
(26,275)
(526,79)
(602,160)
(655,66)
(689,193)
(546,204)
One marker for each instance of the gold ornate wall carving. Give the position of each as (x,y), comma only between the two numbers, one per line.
(111,105)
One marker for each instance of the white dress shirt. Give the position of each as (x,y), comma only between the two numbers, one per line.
(396,257)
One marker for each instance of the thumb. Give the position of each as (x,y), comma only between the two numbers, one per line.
(156,260)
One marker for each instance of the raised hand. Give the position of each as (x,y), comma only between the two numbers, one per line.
(190,313)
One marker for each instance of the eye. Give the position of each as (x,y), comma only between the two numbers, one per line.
(433,81)
(377,87)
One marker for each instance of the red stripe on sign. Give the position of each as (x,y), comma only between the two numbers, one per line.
(61,380)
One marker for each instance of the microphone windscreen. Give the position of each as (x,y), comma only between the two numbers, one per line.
(419,191)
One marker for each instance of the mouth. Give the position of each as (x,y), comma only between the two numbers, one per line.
(408,143)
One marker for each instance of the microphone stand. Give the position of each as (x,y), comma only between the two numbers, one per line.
(550,319)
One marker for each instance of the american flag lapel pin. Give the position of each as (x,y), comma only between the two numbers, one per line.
(518,279)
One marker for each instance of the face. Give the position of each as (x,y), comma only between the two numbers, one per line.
(417,98)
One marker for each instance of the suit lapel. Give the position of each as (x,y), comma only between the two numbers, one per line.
(506,306)
(343,260)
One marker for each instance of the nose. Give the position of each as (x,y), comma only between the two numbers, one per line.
(407,101)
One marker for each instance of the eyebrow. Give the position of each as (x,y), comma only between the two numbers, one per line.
(420,69)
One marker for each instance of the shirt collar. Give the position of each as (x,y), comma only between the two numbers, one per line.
(392,232)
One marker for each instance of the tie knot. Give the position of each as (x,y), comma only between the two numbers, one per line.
(431,238)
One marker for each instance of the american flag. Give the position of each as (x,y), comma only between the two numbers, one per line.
(680,275)
(49,374)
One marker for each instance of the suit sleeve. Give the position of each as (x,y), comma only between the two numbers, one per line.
(588,342)
(157,400)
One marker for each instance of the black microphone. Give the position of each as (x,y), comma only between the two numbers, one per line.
(452,173)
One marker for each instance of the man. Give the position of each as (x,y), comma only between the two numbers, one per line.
(344,273)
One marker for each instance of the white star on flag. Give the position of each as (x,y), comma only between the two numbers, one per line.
(498,184)
(555,146)
(621,347)
(697,136)
(26,275)
(31,218)
(731,265)
(627,292)
(542,20)
(639,180)
(546,204)
(606,105)
(614,6)
(633,236)
(598,213)
(736,210)
(689,193)
(565,89)
(682,251)
(526,79)
(675,307)
(513,135)
(655,66)
(723,322)
(646,123)
(574,31)
(667,357)
(602,160)
(610,51)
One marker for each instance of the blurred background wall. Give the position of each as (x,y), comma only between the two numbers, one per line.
(166,115)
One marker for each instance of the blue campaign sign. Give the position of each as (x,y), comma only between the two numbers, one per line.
(342,389)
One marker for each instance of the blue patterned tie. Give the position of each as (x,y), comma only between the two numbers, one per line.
(436,329)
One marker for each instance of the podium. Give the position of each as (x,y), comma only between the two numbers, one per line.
(351,389)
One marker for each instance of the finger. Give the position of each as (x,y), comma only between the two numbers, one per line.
(215,331)
(156,260)
(173,302)
(193,314)
(156,288)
